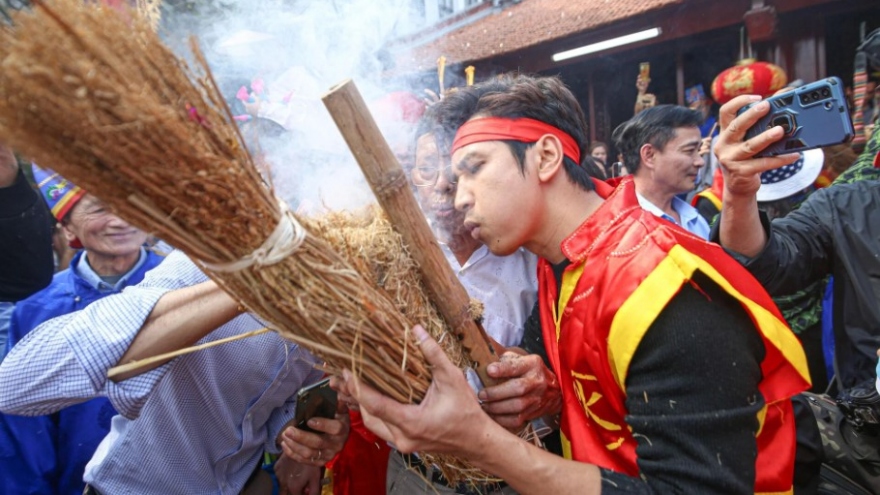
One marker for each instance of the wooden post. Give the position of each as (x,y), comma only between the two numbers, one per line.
(388,181)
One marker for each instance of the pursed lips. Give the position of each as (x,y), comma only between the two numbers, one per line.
(473,228)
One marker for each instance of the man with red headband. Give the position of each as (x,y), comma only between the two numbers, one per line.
(676,368)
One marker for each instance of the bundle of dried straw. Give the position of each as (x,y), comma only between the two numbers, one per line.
(97,97)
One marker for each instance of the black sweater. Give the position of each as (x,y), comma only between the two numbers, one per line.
(699,365)
(26,263)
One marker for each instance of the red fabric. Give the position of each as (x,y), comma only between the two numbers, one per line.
(748,77)
(400,106)
(361,467)
(504,129)
(615,181)
(74,199)
(639,241)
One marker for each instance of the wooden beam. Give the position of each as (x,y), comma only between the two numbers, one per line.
(388,181)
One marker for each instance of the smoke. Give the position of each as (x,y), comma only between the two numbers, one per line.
(283,55)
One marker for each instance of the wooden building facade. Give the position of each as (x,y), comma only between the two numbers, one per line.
(698,39)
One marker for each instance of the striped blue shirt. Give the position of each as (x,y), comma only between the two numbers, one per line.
(196,425)
(691,220)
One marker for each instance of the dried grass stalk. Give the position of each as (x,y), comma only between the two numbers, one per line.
(372,246)
(96,96)
(99,99)
(368,241)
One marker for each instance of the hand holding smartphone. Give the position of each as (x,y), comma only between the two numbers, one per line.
(317,400)
(812,116)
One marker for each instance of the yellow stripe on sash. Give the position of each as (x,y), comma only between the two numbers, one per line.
(639,311)
(569,282)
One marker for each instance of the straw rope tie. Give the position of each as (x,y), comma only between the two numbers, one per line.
(287,237)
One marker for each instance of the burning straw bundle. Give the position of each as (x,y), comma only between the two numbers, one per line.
(97,97)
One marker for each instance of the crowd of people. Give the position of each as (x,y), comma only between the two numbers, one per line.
(661,331)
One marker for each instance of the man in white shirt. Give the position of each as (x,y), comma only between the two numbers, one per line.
(661,148)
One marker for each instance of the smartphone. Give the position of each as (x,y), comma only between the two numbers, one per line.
(316,400)
(645,70)
(812,116)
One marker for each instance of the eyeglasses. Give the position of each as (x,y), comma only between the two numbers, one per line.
(427,176)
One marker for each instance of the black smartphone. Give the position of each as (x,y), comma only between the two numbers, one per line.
(316,400)
(812,116)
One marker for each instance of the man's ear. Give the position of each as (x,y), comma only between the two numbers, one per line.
(647,154)
(548,153)
(69,235)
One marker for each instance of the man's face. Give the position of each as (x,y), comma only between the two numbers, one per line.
(500,202)
(100,231)
(435,186)
(676,166)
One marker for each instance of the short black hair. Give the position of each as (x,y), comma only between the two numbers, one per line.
(545,99)
(655,126)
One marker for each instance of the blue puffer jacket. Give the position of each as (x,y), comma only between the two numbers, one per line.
(48,454)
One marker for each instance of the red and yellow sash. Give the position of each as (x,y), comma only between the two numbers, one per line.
(626,267)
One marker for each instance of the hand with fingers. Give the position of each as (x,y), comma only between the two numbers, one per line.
(705,145)
(642,84)
(343,394)
(528,390)
(742,170)
(316,449)
(295,478)
(740,228)
(448,420)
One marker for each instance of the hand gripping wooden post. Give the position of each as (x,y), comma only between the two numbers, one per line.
(388,181)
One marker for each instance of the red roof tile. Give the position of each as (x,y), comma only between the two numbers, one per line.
(526,24)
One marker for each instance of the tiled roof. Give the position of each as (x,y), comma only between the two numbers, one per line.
(526,24)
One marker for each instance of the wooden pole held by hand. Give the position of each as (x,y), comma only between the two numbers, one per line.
(388,181)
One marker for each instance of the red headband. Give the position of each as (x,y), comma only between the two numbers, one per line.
(505,129)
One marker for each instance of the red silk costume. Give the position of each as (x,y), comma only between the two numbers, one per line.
(626,265)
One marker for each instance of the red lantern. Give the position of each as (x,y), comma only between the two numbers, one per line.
(748,77)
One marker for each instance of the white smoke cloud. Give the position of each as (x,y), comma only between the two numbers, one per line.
(295,51)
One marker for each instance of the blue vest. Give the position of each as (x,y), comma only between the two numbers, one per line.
(48,454)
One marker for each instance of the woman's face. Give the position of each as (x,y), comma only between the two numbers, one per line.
(600,153)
